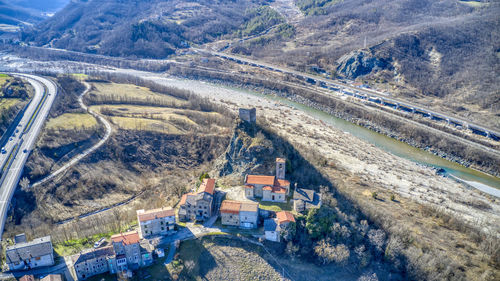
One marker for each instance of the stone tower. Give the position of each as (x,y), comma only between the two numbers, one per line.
(280,168)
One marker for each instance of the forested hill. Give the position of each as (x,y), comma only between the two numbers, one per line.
(23,12)
(141,28)
(444,53)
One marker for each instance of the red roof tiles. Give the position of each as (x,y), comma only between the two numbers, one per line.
(284,216)
(230,207)
(208,186)
(265,180)
(127,238)
(282,183)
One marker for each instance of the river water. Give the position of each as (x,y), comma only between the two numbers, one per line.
(482,181)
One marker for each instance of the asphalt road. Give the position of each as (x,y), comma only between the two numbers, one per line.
(18,149)
(88,151)
(341,85)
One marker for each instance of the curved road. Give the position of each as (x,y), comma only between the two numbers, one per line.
(80,156)
(28,129)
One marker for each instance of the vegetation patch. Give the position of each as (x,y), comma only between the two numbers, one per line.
(129,94)
(72,121)
(220,258)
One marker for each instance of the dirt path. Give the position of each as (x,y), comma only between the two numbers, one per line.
(88,151)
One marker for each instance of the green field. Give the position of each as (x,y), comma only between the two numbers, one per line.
(71,121)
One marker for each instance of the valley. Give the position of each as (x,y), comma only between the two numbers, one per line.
(251,139)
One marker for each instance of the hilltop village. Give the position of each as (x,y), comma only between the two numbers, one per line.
(206,206)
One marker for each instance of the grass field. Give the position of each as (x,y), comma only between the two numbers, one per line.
(150,112)
(70,121)
(219,258)
(8,103)
(3,79)
(144,124)
(128,92)
(274,206)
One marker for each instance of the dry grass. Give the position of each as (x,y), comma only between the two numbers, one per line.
(117,92)
(72,121)
(8,103)
(144,124)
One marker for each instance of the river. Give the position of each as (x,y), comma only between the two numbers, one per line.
(482,181)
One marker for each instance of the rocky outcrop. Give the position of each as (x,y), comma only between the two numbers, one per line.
(359,63)
(248,151)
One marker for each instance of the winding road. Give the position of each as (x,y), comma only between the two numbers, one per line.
(88,151)
(23,139)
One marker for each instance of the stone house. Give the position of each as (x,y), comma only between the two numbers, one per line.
(305,199)
(198,206)
(28,255)
(94,262)
(147,250)
(249,214)
(274,227)
(274,194)
(230,212)
(271,231)
(269,188)
(241,214)
(156,222)
(127,249)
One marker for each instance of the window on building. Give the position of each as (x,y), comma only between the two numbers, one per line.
(162,228)
(161,223)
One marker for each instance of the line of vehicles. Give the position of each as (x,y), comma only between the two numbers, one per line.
(348,90)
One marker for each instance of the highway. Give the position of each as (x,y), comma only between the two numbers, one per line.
(362,93)
(18,147)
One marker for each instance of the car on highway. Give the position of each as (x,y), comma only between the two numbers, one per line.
(25,150)
(17,131)
(4,150)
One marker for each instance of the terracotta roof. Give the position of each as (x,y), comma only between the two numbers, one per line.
(155,214)
(278,189)
(267,187)
(275,189)
(184,198)
(281,160)
(249,186)
(249,207)
(208,186)
(284,216)
(127,238)
(230,207)
(283,183)
(254,179)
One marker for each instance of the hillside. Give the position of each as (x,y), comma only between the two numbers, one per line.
(443,54)
(18,13)
(141,28)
